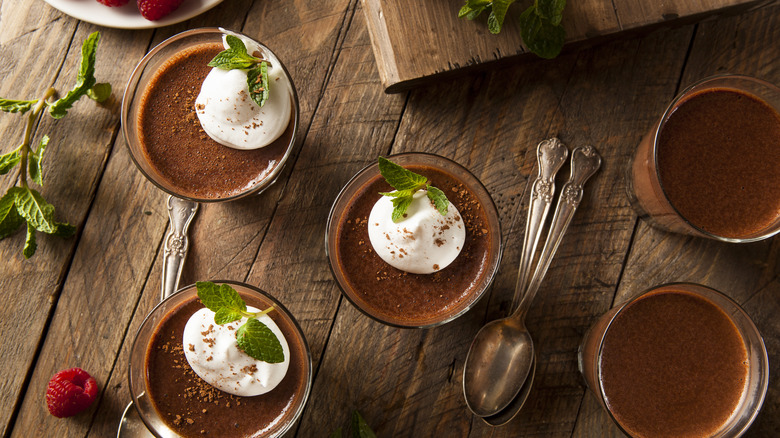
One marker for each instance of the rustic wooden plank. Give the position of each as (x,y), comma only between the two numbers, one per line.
(748,273)
(30,62)
(415,41)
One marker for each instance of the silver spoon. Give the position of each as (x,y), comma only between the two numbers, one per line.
(180,213)
(501,356)
(550,156)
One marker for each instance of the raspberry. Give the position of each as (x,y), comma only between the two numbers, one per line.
(156,9)
(113,3)
(70,392)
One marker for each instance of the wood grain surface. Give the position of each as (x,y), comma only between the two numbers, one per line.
(79,301)
(415,42)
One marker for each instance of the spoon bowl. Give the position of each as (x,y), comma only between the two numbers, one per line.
(500,361)
(508,413)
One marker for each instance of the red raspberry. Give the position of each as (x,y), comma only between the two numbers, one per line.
(156,9)
(70,392)
(113,3)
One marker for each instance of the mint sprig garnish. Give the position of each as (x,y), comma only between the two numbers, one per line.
(540,24)
(21,204)
(406,183)
(253,337)
(236,57)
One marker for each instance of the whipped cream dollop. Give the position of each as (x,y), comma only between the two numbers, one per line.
(423,242)
(212,352)
(229,115)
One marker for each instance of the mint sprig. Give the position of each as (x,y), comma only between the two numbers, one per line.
(21,204)
(253,337)
(540,24)
(406,183)
(236,57)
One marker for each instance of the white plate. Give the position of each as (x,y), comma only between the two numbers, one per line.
(127,16)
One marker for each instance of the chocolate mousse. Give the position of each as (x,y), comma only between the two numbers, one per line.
(193,408)
(180,154)
(719,162)
(673,364)
(402,298)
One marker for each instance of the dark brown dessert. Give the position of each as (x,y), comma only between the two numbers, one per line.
(176,146)
(719,162)
(415,299)
(673,364)
(193,408)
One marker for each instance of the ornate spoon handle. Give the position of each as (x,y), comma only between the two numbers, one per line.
(584,163)
(180,212)
(550,155)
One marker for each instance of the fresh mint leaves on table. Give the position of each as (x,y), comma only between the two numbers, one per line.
(253,337)
(540,24)
(21,204)
(360,429)
(406,183)
(236,57)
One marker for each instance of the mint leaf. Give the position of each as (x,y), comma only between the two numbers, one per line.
(10,221)
(64,230)
(85,80)
(361,429)
(258,341)
(551,10)
(226,314)
(216,297)
(16,106)
(36,172)
(9,161)
(496,17)
(257,81)
(406,184)
(33,208)
(100,92)
(336,433)
(473,8)
(234,57)
(439,199)
(398,177)
(400,205)
(540,35)
(29,244)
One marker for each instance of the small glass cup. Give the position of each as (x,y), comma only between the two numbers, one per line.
(338,216)
(590,355)
(139,81)
(137,373)
(645,187)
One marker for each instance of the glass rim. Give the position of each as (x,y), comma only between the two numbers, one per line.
(763,358)
(491,211)
(665,116)
(129,95)
(278,306)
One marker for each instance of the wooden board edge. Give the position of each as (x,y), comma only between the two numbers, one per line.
(393,83)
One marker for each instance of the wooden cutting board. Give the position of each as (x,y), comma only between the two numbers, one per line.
(417,40)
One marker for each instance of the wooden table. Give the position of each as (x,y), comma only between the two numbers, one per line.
(79,301)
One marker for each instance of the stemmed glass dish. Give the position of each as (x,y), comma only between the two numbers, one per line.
(297,383)
(403,299)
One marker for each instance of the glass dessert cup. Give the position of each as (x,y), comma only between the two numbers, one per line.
(645,186)
(138,373)
(488,236)
(591,354)
(140,80)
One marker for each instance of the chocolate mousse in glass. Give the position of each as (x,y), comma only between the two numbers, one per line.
(404,299)
(711,166)
(164,134)
(173,400)
(679,360)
